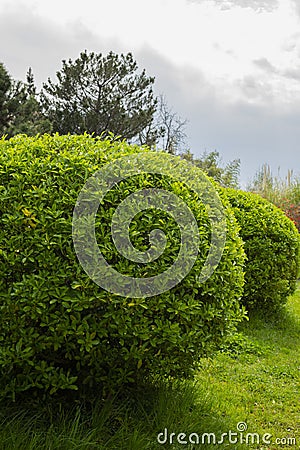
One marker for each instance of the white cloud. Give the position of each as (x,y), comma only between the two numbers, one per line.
(256,5)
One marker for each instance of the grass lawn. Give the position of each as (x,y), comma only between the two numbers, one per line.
(253,382)
(259,383)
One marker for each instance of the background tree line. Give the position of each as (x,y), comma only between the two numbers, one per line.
(102,94)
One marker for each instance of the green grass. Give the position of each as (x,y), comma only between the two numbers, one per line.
(255,379)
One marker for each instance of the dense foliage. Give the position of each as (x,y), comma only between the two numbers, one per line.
(58,329)
(272,245)
(211,164)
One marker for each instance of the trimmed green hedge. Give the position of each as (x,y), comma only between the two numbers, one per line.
(61,331)
(272,245)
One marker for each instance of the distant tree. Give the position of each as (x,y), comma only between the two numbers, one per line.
(6,105)
(211,164)
(20,110)
(167,130)
(170,127)
(101,94)
(231,174)
(28,118)
(31,89)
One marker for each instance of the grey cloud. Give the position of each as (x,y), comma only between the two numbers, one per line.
(256,134)
(291,44)
(180,82)
(32,41)
(254,88)
(296,5)
(222,49)
(265,65)
(257,5)
(293,73)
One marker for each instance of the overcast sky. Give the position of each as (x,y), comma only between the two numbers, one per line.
(230,67)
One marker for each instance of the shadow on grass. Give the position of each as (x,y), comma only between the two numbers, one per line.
(130,421)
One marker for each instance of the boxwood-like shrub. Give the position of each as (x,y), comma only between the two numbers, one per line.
(271,243)
(58,329)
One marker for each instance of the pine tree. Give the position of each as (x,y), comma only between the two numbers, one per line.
(5,107)
(100,94)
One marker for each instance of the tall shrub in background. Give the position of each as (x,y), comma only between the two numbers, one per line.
(283,192)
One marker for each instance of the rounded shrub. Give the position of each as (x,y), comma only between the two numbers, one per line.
(272,245)
(59,330)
